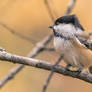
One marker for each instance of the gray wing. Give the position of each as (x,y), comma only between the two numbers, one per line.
(87,43)
(84,39)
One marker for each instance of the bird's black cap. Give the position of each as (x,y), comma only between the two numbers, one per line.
(69,19)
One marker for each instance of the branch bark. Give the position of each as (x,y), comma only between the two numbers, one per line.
(5,56)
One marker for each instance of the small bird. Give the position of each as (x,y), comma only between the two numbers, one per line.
(70,40)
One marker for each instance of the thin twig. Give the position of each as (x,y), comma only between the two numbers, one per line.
(8,57)
(49,49)
(41,45)
(53,8)
(11,74)
(51,74)
(70,7)
(18,34)
(49,10)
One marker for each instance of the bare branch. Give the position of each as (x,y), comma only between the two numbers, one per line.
(44,65)
(53,8)
(18,34)
(36,50)
(70,7)
(11,74)
(49,9)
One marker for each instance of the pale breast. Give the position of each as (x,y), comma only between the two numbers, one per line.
(70,53)
(61,44)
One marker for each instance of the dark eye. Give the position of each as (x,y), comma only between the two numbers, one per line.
(57,23)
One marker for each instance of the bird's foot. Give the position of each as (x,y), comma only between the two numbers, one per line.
(74,69)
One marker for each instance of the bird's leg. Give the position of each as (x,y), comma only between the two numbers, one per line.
(90,69)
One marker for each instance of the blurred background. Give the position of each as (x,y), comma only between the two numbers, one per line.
(31,18)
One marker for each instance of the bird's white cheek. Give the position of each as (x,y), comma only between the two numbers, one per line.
(54,27)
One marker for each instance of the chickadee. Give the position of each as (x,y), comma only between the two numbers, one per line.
(69,40)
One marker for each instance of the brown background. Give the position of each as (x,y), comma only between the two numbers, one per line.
(31,18)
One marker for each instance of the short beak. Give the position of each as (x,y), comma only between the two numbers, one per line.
(51,27)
